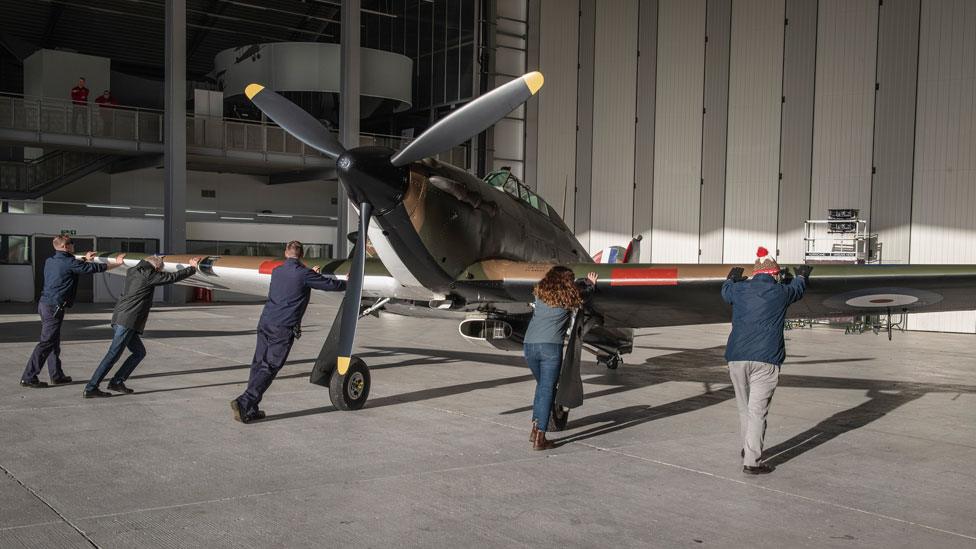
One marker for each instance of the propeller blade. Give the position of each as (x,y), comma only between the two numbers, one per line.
(348,315)
(294,120)
(471,119)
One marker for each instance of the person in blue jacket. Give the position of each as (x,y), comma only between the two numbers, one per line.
(756,348)
(61,272)
(557,296)
(280,324)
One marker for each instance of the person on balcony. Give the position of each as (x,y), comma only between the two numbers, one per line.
(106,102)
(79,107)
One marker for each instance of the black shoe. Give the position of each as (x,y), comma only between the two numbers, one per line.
(258,415)
(120,388)
(33,384)
(63,380)
(761,469)
(96,393)
(239,414)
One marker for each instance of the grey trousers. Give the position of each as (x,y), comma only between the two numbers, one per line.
(754,384)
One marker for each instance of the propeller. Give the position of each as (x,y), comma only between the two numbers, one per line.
(371,175)
(295,120)
(471,119)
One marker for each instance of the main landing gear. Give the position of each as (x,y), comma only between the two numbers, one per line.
(350,391)
(612,362)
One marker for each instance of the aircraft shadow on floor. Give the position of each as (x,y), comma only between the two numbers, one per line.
(706,366)
(98,329)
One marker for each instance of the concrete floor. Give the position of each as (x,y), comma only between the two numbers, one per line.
(875,444)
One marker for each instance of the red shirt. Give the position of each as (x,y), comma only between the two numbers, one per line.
(79,95)
(106,102)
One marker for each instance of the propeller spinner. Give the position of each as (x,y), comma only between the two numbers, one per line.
(374,178)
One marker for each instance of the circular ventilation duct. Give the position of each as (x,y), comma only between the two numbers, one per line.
(308,74)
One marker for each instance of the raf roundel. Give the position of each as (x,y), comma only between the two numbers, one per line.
(883,298)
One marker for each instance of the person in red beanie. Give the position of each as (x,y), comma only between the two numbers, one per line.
(756,348)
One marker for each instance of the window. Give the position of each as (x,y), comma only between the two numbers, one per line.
(254,249)
(15,249)
(148,246)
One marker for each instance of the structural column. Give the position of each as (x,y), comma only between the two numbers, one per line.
(349,88)
(174,139)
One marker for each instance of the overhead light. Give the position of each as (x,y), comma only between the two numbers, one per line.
(153,215)
(107,206)
(283,216)
(237,218)
(201,212)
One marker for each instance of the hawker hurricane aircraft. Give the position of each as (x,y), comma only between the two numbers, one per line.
(447,241)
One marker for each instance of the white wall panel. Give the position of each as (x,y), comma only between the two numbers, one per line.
(715,129)
(558,44)
(614,104)
(678,131)
(755,88)
(894,128)
(844,106)
(644,134)
(944,195)
(796,140)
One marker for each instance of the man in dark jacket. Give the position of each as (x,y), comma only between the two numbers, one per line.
(756,348)
(60,285)
(280,324)
(129,321)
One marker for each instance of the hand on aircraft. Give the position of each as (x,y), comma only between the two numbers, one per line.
(591,276)
(120,260)
(317,269)
(89,256)
(804,271)
(194,261)
(735,275)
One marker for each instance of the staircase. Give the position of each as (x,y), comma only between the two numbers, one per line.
(35,178)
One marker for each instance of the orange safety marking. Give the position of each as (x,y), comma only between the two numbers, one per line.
(644,277)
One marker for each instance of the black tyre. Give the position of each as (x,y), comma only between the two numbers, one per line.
(612,362)
(350,391)
(559,418)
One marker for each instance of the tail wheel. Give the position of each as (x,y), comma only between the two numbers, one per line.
(559,418)
(350,391)
(612,362)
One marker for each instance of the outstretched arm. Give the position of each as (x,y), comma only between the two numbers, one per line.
(795,289)
(87,266)
(323,282)
(157,278)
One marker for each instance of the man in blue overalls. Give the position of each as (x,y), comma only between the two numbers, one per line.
(280,324)
(60,285)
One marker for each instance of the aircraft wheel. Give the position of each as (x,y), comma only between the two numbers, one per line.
(349,392)
(612,362)
(559,418)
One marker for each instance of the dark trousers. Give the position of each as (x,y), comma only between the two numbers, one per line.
(123,338)
(49,348)
(270,354)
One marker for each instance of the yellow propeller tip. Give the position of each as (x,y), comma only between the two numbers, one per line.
(252,89)
(534,81)
(343,365)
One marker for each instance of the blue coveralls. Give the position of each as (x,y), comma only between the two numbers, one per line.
(60,285)
(288,295)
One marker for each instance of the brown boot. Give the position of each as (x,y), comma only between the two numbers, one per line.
(540,442)
(535,429)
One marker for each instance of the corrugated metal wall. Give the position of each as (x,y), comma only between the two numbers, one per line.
(799,128)
(678,130)
(559,34)
(614,109)
(844,106)
(944,195)
(755,89)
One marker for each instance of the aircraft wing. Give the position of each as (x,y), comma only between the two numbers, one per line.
(644,295)
(251,275)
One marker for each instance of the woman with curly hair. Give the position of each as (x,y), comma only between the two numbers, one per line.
(556,297)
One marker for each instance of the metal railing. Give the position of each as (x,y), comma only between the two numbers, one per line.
(128,123)
(33,175)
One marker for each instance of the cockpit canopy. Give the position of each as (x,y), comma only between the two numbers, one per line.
(505,181)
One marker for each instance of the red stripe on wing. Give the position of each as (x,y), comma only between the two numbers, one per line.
(268,266)
(644,277)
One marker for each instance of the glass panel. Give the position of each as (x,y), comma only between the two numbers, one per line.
(15,250)
(511,187)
